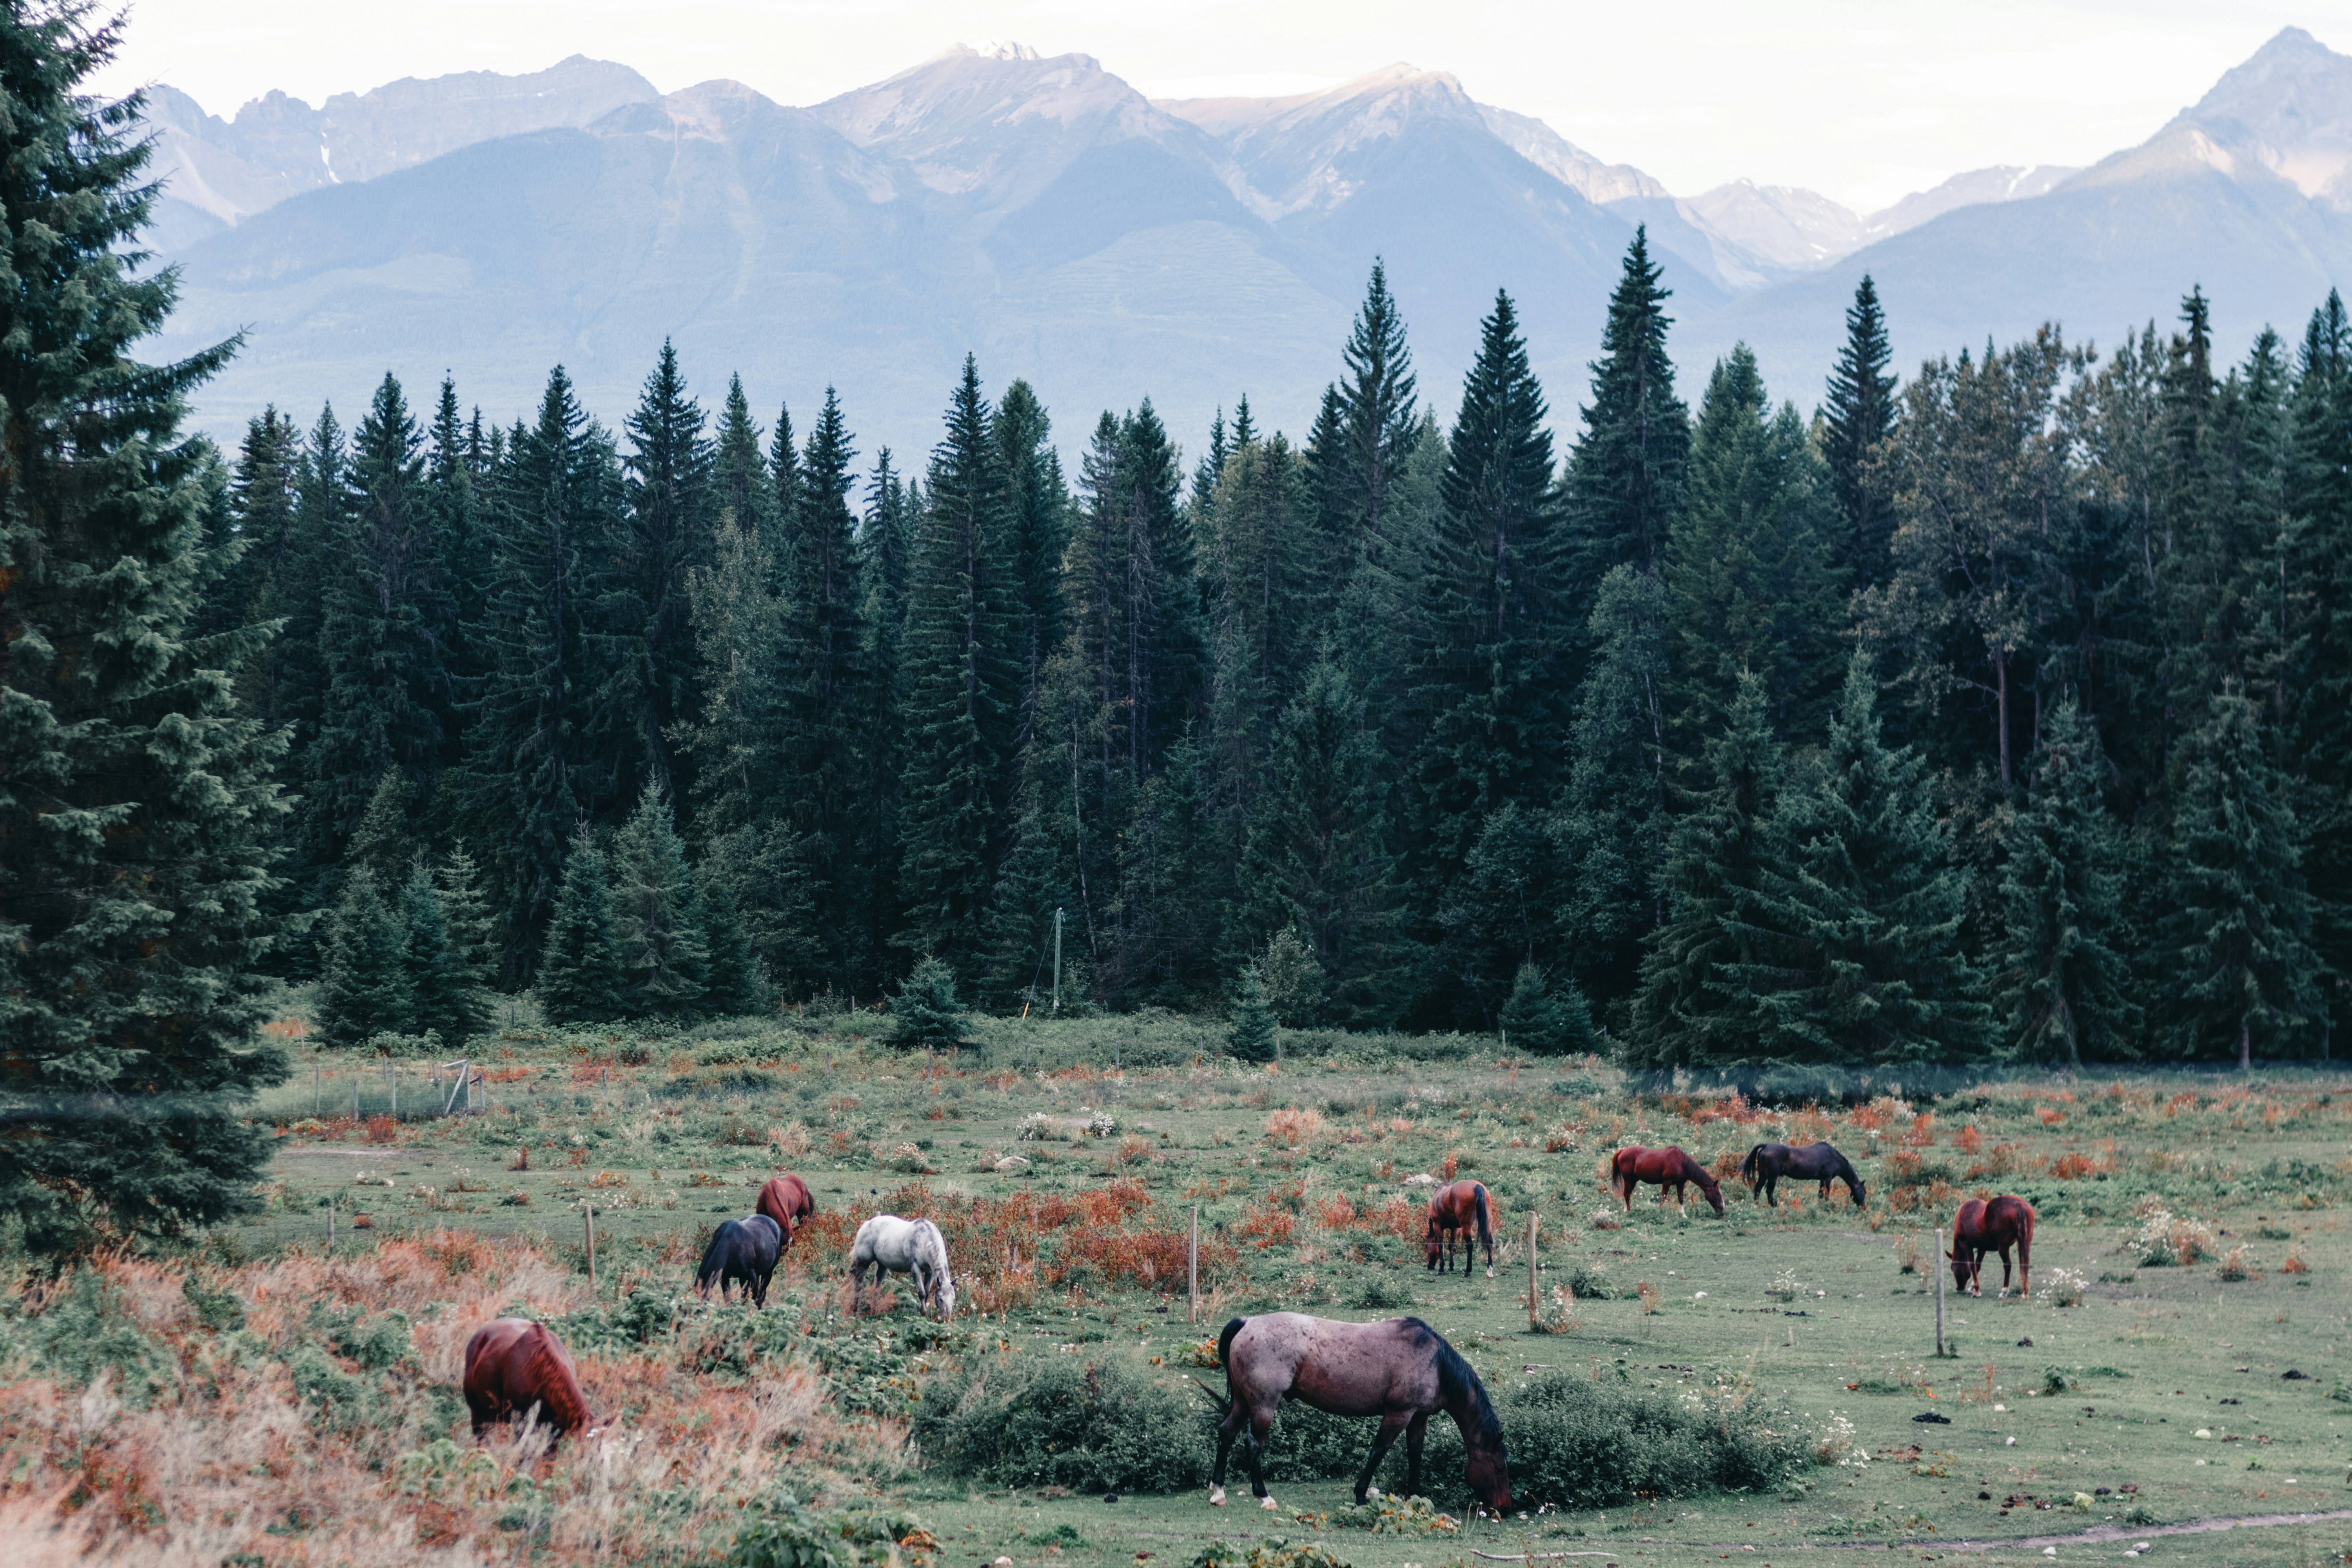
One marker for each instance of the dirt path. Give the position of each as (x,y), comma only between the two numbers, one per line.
(2095,1535)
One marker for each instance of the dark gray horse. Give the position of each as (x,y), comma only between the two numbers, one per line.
(1768,1162)
(744,1252)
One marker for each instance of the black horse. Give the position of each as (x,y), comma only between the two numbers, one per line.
(1768,1162)
(744,1252)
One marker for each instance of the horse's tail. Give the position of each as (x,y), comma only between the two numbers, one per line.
(1748,1166)
(1226,1359)
(1485,1225)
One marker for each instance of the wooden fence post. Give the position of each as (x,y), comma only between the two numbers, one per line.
(1940,1291)
(588,1219)
(1532,1319)
(331,1224)
(1192,1270)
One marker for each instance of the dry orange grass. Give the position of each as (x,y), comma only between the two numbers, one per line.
(228,1449)
(1293,1126)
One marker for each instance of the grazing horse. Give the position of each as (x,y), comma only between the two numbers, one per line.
(1768,1162)
(1464,1210)
(1663,1168)
(1996,1226)
(743,1251)
(913,1247)
(1399,1370)
(785,1199)
(514,1367)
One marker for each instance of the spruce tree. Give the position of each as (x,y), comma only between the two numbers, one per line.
(1249,1020)
(463,567)
(1040,529)
(741,488)
(466,916)
(1624,478)
(383,639)
(2319,728)
(1863,909)
(1751,575)
(2062,904)
(364,985)
(261,501)
(1503,910)
(962,681)
(135,801)
(1544,1022)
(733,984)
(1695,1007)
(664,958)
(579,971)
(665,534)
(1612,816)
(2235,956)
(1491,637)
(925,1012)
(1858,416)
(1379,419)
(446,1001)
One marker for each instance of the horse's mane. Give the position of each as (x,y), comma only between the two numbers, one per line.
(940,1241)
(1458,1385)
(556,1384)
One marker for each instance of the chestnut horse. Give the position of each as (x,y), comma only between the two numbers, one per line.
(514,1366)
(785,1199)
(1399,1370)
(1465,1210)
(1996,1226)
(1663,1168)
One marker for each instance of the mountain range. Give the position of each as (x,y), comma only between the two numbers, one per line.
(1043,214)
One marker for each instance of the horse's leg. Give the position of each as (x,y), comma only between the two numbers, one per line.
(1260,1429)
(2025,1264)
(1390,1425)
(1227,1430)
(2004,1268)
(1772,1189)
(1415,1430)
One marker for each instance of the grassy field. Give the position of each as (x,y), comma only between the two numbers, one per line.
(2181,1359)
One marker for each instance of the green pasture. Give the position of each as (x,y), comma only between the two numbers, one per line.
(1809,1304)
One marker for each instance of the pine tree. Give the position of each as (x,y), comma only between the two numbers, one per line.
(1379,419)
(1864,906)
(364,986)
(2061,898)
(1612,818)
(1040,529)
(261,501)
(446,1002)
(665,534)
(962,675)
(465,916)
(380,640)
(1543,1022)
(925,1013)
(1752,584)
(742,490)
(2236,946)
(2319,731)
(1858,417)
(1318,856)
(135,801)
(664,958)
(1695,1007)
(1492,638)
(579,971)
(733,985)
(1502,911)
(1249,1021)
(463,566)
(536,772)
(1624,478)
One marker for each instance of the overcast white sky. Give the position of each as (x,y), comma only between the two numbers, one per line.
(1863,101)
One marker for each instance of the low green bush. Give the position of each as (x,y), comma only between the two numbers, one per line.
(779,1533)
(1050,1419)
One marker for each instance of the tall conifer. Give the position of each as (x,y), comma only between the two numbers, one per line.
(1625,477)
(1857,417)
(135,801)
(579,975)
(2062,904)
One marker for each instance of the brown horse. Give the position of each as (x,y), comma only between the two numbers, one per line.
(1399,1370)
(514,1366)
(1996,1226)
(785,1199)
(1661,1168)
(1464,1210)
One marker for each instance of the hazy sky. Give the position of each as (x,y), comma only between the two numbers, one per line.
(1863,101)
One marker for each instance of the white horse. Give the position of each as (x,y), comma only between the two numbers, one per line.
(905,1247)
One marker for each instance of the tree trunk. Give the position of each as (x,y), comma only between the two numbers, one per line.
(2246,1045)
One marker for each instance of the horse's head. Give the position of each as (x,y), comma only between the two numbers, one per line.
(1490,1476)
(1713,1191)
(1961,1266)
(1429,1246)
(1853,1186)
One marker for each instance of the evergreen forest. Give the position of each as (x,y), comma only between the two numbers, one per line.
(1997,712)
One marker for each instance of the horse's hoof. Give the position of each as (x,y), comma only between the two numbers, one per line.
(1490,1274)
(1216,1496)
(1268,1502)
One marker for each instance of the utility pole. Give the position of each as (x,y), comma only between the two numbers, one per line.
(1057,961)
